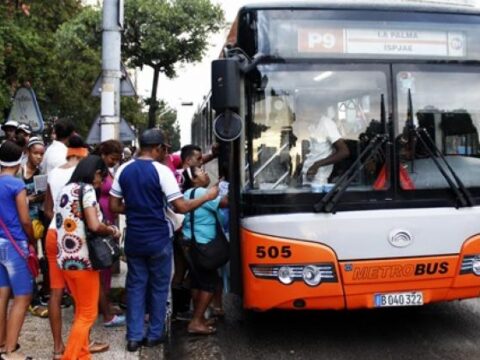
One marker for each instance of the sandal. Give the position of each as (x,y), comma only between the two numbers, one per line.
(97,347)
(218,311)
(57,355)
(3,347)
(5,356)
(210,321)
(210,330)
(38,310)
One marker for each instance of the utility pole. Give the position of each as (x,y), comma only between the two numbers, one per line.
(112,25)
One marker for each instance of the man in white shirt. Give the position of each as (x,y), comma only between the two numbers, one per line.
(326,146)
(141,189)
(57,151)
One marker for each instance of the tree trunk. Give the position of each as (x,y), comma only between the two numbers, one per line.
(152,111)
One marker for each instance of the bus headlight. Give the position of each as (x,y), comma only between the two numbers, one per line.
(311,275)
(476,266)
(285,275)
(470,265)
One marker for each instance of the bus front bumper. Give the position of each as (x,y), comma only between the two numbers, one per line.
(290,274)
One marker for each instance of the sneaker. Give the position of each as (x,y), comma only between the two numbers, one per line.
(66,301)
(44,300)
(117,320)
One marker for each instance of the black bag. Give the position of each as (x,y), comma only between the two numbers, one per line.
(103,250)
(215,253)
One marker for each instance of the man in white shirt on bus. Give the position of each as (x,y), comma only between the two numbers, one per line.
(326,148)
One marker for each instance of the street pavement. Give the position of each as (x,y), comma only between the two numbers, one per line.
(36,339)
(436,331)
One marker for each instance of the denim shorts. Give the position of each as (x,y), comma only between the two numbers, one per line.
(14,272)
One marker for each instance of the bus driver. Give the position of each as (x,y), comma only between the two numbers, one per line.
(326,148)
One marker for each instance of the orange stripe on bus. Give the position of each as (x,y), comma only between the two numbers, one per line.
(357,281)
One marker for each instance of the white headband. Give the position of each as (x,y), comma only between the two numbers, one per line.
(10,163)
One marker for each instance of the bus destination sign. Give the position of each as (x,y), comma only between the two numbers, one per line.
(382,42)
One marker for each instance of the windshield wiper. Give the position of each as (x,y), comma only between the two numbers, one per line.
(463,195)
(330,200)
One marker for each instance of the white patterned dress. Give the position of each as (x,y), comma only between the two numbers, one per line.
(70,225)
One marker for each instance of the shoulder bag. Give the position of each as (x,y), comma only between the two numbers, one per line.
(31,258)
(103,250)
(213,254)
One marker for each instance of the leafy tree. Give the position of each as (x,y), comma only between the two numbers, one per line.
(27,30)
(77,59)
(162,34)
(56,48)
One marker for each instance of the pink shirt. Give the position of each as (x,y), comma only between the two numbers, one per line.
(104,194)
(174,163)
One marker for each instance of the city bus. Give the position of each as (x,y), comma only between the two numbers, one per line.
(395,222)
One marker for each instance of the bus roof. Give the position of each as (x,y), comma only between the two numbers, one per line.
(446,6)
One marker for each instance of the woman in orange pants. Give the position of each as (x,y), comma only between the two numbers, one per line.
(76,211)
(85,289)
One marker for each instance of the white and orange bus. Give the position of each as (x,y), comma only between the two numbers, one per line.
(397,222)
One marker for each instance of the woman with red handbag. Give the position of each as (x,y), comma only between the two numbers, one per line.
(15,234)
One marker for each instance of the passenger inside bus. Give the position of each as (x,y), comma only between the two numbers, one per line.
(325,144)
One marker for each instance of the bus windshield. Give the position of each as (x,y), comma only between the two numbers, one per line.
(317,107)
(301,111)
(451,116)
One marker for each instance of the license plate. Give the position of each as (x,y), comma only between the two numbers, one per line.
(399,299)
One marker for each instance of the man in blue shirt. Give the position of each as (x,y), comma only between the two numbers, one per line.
(143,188)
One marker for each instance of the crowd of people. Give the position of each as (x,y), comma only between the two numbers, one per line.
(53,197)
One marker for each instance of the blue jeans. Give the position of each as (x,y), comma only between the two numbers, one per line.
(14,272)
(148,282)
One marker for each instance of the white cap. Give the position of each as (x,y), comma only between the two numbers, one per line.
(11,123)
